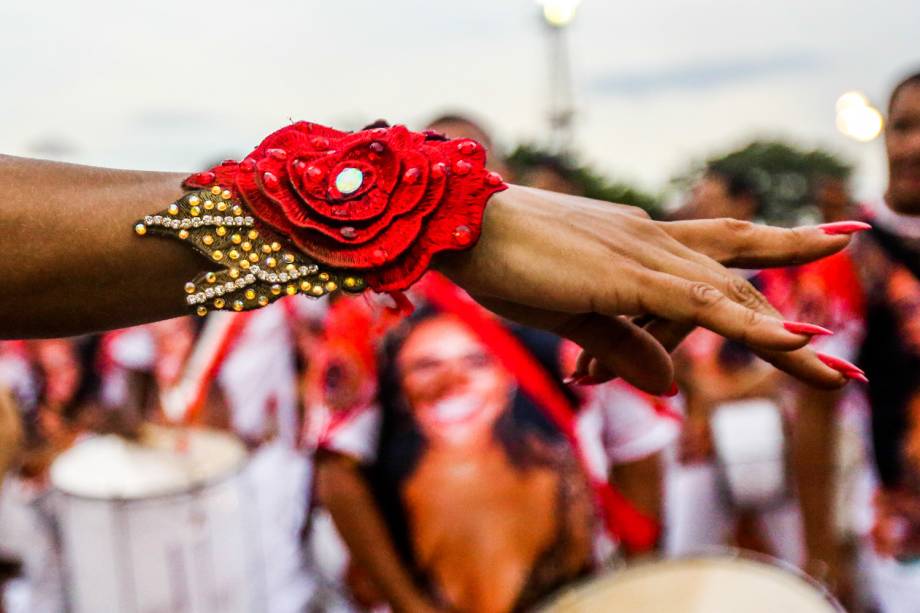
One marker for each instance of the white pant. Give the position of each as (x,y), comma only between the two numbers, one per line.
(895,586)
(697,516)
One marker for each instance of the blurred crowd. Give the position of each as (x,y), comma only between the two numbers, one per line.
(433,457)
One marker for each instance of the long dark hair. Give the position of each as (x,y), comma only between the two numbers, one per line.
(402,441)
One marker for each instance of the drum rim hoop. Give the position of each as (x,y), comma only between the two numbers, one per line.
(197,488)
(720,552)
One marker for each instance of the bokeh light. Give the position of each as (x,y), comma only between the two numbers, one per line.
(857,118)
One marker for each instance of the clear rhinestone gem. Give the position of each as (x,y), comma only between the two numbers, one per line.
(349,180)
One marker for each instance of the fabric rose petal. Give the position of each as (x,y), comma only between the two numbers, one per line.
(379,203)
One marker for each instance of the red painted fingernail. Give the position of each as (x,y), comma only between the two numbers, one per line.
(571,379)
(797,327)
(858,376)
(672,391)
(588,380)
(841,365)
(844,227)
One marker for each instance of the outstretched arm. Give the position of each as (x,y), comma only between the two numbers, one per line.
(71,262)
(576,266)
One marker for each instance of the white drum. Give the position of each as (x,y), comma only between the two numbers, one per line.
(751,453)
(708,584)
(158,526)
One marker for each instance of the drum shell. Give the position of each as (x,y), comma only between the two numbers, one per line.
(183,552)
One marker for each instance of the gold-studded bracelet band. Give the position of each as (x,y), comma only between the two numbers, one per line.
(256,265)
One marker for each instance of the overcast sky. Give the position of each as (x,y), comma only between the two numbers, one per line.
(172,85)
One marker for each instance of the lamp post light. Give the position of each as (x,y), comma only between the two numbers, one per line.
(557,15)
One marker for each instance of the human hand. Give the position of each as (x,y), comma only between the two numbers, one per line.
(585,269)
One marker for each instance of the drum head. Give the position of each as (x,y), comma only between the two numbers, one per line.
(718,584)
(165,461)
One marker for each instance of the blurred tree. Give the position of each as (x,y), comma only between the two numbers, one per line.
(785,176)
(586,180)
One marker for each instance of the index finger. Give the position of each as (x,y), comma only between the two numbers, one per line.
(742,244)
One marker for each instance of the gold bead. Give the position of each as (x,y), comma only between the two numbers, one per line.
(276,246)
(211,277)
(253,257)
(221,231)
(202,311)
(195,211)
(253,235)
(189,288)
(215,190)
(237,210)
(290,268)
(183,234)
(350,282)
(234,273)
(207,239)
(271,262)
(288,257)
(141,229)
(226,194)
(324,276)
(221,206)
(305,286)
(237,305)
(217,255)
(317,290)
(234,254)
(236,239)
(263,300)
(208,205)
(250,294)
(194,200)
(266,248)
(331,286)
(244,264)
(291,290)
(219,303)
(276,289)
(173,209)
(246,246)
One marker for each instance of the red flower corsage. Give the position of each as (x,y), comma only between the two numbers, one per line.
(379,203)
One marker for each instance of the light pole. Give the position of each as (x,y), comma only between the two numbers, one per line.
(557,15)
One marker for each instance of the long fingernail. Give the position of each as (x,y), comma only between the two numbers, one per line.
(858,376)
(841,365)
(672,391)
(844,227)
(588,380)
(797,327)
(571,379)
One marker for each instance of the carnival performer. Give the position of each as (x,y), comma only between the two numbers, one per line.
(434,474)
(873,295)
(719,375)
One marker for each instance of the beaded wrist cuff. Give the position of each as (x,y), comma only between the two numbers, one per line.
(348,210)
(257,265)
